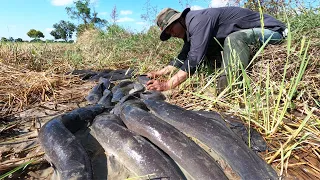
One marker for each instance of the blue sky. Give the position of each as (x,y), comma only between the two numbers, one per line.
(17,17)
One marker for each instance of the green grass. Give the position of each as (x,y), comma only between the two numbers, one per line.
(21,167)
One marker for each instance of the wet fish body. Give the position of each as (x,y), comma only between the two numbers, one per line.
(65,151)
(110,117)
(81,118)
(137,87)
(105,82)
(105,100)
(121,90)
(257,143)
(218,137)
(95,94)
(132,102)
(121,74)
(143,79)
(84,74)
(178,146)
(135,152)
(154,95)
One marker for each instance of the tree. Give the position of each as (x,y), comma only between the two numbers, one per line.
(35,34)
(36,40)
(3,39)
(63,30)
(82,12)
(11,39)
(18,40)
(49,41)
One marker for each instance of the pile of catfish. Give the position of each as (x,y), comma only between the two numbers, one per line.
(129,132)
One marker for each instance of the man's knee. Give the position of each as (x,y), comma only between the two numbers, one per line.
(236,36)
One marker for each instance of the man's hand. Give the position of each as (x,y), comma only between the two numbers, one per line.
(163,71)
(157,85)
(153,74)
(172,83)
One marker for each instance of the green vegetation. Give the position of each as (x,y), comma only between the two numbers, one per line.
(82,12)
(63,30)
(21,167)
(35,34)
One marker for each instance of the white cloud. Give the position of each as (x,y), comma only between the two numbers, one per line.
(49,29)
(218,3)
(127,12)
(61,2)
(196,7)
(141,23)
(125,19)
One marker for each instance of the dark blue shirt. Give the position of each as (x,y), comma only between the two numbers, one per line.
(203,25)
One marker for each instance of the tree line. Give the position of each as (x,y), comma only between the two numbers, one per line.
(64,30)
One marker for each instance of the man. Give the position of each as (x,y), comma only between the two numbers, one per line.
(202,30)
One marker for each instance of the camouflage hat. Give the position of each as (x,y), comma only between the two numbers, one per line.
(166,17)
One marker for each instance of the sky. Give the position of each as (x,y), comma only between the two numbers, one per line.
(17,17)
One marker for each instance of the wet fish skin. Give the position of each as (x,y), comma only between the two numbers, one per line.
(117,107)
(110,117)
(121,74)
(143,79)
(106,92)
(99,75)
(95,94)
(105,100)
(137,87)
(65,151)
(130,102)
(96,154)
(83,74)
(154,95)
(135,152)
(178,146)
(81,118)
(105,82)
(121,90)
(131,89)
(257,143)
(114,75)
(121,85)
(218,137)
(231,120)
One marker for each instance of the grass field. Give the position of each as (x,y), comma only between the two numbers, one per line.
(280,94)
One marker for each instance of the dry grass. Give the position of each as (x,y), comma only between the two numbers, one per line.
(22,88)
(35,73)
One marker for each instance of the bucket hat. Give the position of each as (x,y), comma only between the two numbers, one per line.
(165,18)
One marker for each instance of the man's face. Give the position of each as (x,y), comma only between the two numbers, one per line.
(176,30)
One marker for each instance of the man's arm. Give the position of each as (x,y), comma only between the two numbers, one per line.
(166,70)
(174,81)
(177,79)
